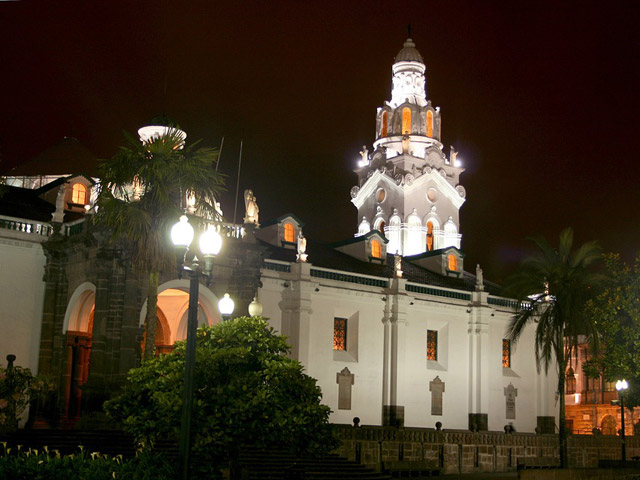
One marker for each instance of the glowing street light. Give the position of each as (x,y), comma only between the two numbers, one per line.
(210,243)
(622,386)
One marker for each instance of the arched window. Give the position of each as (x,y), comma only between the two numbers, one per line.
(453,262)
(289,233)
(406,120)
(376,249)
(79,194)
(570,386)
(381,227)
(429,123)
(429,236)
(385,122)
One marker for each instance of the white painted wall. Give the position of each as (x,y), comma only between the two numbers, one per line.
(364,308)
(21,297)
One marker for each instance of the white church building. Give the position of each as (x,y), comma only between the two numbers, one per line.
(389,322)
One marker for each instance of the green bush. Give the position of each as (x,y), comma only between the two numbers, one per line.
(31,464)
(247,392)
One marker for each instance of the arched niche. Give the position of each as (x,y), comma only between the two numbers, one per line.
(173,305)
(80,308)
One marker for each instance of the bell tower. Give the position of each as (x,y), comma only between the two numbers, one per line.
(407,188)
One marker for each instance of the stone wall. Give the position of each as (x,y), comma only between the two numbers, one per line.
(466,452)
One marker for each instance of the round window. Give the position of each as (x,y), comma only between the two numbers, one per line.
(381,195)
(432,194)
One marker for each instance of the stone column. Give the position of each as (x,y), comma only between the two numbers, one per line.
(478,331)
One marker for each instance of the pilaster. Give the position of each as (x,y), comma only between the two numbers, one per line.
(297,311)
(478,331)
(395,320)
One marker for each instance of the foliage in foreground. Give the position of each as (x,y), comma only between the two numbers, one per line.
(617,314)
(246,393)
(19,464)
(18,387)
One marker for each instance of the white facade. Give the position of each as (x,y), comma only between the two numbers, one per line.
(22,262)
(386,347)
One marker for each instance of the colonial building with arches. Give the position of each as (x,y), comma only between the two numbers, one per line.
(389,322)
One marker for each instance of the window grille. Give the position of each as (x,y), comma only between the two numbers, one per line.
(339,333)
(506,353)
(432,345)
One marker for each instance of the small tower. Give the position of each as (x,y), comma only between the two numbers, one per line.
(408,189)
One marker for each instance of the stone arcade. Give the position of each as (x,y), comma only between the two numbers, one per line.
(389,322)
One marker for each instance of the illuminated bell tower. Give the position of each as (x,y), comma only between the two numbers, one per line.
(407,188)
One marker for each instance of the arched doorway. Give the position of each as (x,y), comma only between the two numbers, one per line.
(78,327)
(609,425)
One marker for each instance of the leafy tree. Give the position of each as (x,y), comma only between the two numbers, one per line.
(143,188)
(552,287)
(616,311)
(247,393)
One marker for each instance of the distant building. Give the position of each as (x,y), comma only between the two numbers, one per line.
(388,321)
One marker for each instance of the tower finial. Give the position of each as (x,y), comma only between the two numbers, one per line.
(409,31)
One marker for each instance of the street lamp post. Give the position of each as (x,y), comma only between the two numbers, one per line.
(621,386)
(210,243)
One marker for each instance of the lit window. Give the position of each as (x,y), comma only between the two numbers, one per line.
(289,233)
(609,386)
(376,249)
(385,121)
(429,123)
(406,120)
(429,236)
(570,381)
(432,345)
(382,194)
(79,194)
(339,333)
(506,353)
(453,262)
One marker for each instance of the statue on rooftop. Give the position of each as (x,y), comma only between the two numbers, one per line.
(251,207)
(302,248)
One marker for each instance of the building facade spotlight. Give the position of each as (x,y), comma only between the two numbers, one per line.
(255,308)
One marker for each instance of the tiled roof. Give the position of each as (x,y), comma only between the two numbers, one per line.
(322,255)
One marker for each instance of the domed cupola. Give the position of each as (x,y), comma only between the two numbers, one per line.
(408,77)
(409,53)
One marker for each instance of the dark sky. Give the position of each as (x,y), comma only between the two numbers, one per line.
(540,99)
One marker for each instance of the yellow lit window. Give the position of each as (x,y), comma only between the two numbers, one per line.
(432,345)
(339,333)
(453,263)
(506,353)
(376,249)
(429,123)
(79,194)
(406,120)
(385,121)
(289,233)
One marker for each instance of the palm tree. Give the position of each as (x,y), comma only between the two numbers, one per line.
(566,280)
(143,189)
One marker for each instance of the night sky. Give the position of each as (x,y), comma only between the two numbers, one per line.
(541,99)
